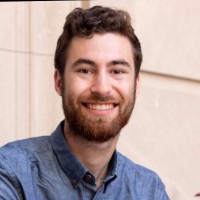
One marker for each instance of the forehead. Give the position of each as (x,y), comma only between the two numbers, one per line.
(101,48)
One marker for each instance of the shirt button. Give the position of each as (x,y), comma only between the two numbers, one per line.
(88,177)
(74,181)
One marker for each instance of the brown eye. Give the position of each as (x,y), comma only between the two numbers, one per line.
(85,71)
(117,71)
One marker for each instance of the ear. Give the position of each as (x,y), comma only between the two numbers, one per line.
(137,85)
(58,82)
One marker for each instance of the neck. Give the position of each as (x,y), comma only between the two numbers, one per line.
(95,156)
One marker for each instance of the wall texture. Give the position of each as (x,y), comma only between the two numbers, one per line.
(164,131)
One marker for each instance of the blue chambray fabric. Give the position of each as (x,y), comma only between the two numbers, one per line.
(44,168)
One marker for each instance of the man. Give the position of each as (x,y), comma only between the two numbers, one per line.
(97,63)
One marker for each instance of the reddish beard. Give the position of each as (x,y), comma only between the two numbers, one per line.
(97,129)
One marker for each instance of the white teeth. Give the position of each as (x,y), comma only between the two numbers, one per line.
(100,106)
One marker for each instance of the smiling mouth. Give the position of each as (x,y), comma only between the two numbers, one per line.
(105,106)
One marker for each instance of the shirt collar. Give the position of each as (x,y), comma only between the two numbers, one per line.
(73,168)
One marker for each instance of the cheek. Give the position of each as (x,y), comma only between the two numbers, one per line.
(74,90)
(78,88)
(77,83)
(126,89)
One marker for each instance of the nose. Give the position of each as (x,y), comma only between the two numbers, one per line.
(101,84)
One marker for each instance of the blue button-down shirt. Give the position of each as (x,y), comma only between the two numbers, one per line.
(44,168)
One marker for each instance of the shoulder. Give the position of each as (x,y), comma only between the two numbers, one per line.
(22,150)
(34,143)
(16,164)
(140,181)
(139,176)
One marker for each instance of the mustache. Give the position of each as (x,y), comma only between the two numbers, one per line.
(99,98)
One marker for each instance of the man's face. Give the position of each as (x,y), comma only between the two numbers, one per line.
(98,87)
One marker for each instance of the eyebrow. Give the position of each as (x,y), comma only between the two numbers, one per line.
(119,62)
(84,61)
(92,63)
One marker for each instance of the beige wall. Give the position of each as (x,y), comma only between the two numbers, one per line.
(163,133)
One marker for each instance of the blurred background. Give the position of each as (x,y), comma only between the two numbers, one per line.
(164,131)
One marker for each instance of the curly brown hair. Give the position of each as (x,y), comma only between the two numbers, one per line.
(87,22)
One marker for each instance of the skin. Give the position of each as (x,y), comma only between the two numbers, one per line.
(109,72)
